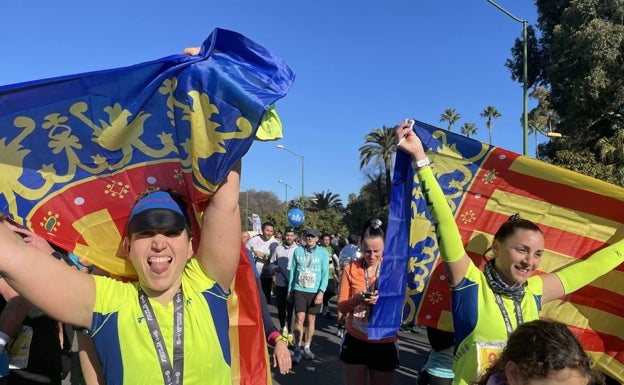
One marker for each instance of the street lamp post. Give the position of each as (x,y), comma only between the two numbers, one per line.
(525,114)
(281,147)
(286,187)
(549,134)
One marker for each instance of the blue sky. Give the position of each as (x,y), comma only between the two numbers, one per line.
(359,65)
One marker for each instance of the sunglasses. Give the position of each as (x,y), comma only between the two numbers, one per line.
(310,236)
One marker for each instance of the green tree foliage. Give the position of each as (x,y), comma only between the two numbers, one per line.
(579,58)
(325,201)
(263,203)
(489,113)
(370,203)
(356,214)
(468,129)
(379,147)
(451,117)
(324,211)
(536,60)
(542,118)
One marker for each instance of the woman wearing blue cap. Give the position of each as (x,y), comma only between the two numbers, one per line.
(171,326)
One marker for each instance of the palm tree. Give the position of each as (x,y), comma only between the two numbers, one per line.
(490,113)
(380,145)
(543,111)
(326,200)
(468,129)
(611,149)
(450,116)
(536,126)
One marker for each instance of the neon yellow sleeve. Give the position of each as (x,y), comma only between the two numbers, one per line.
(449,240)
(599,263)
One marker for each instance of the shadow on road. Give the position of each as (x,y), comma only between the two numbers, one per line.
(326,368)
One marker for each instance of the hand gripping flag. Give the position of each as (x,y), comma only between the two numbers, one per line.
(484,186)
(76,150)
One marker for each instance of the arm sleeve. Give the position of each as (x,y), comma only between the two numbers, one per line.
(449,240)
(601,262)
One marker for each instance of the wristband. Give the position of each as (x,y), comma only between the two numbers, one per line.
(449,240)
(283,338)
(417,164)
(274,336)
(601,262)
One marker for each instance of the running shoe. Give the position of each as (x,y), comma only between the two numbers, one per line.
(307,353)
(296,358)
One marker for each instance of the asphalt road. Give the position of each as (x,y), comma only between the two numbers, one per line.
(326,368)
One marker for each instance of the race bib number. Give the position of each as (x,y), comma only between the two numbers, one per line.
(487,353)
(19,348)
(307,279)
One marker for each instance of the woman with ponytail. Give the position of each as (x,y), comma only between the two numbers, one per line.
(362,358)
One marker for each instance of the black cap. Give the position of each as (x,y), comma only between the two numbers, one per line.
(157,210)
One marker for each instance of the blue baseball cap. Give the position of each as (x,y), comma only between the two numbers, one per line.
(311,232)
(157,210)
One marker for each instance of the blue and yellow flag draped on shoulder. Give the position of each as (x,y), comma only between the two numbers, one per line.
(484,185)
(76,150)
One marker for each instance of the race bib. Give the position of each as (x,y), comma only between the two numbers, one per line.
(361,317)
(487,353)
(307,279)
(19,348)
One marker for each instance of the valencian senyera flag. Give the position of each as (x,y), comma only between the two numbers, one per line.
(484,185)
(76,150)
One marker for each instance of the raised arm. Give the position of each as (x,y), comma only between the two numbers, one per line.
(60,291)
(577,275)
(220,244)
(455,259)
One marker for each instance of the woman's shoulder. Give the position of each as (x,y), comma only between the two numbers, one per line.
(354,266)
